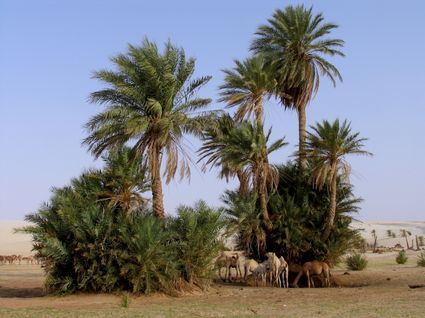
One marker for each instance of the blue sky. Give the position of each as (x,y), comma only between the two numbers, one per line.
(49,50)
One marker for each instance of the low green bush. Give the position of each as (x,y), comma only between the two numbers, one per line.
(401,257)
(87,244)
(356,262)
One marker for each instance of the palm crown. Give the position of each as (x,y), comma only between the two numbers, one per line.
(295,45)
(246,85)
(151,104)
(326,147)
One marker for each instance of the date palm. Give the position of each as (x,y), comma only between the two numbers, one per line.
(150,103)
(296,45)
(326,147)
(243,149)
(245,86)
(124,179)
(214,144)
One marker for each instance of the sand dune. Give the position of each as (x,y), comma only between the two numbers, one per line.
(381,228)
(14,243)
(17,243)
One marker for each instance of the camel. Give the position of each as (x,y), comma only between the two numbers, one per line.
(229,260)
(249,266)
(260,273)
(283,273)
(316,268)
(274,265)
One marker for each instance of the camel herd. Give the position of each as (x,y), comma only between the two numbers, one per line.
(18,259)
(273,271)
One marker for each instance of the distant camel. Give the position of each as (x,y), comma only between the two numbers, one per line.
(316,268)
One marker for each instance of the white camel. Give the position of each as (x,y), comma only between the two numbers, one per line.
(274,265)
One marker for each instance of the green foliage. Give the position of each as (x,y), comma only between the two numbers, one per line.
(297,211)
(401,257)
(150,102)
(247,222)
(296,43)
(421,259)
(125,300)
(356,262)
(197,233)
(86,244)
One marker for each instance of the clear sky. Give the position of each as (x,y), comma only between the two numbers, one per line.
(49,50)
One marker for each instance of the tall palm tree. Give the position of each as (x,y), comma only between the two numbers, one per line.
(326,147)
(150,104)
(295,43)
(243,148)
(245,87)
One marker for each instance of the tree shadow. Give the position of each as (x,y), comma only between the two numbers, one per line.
(6,292)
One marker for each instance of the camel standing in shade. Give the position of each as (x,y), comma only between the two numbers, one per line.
(313,268)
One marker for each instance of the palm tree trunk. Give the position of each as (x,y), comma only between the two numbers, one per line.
(407,242)
(243,183)
(302,160)
(332,208)
(157,195)
(262,196)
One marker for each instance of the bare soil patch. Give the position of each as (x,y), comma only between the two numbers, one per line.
(379,291)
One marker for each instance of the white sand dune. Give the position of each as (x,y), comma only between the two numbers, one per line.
(381,228)
(18,243)
(14,243)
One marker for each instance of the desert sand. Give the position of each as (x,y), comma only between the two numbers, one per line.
(18,243)
(14,243)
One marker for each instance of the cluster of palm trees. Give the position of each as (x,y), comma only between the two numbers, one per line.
(151,102)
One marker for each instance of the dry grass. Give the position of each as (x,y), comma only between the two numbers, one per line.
(379,291)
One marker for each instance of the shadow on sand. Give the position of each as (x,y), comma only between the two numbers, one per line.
(6,292)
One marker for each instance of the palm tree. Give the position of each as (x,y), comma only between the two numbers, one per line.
(125,179)
(243,149)
(326,146)
(404,233)
(295,46)
(150,105)
(214,141)
(245,87)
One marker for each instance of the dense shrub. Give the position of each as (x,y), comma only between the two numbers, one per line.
(401,257)
(87,244)
(356,262)
(298,212)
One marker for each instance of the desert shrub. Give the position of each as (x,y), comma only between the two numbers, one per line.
(421,259)
(298,212)
(197,241)
(401,257)
(125,300)
(87,244)
(356,262)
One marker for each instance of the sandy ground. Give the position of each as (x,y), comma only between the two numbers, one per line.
(379,291)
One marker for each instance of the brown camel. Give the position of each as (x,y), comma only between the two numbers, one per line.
(310,269)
